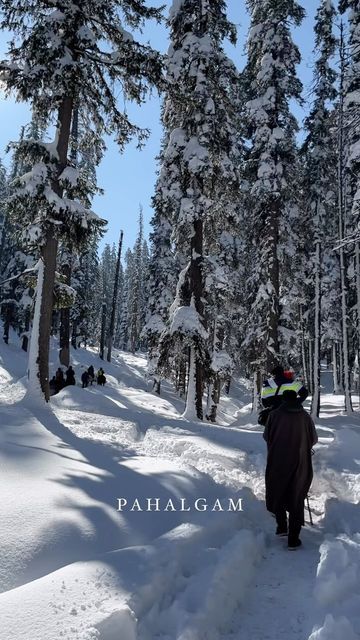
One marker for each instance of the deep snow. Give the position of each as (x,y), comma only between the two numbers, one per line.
(72,566)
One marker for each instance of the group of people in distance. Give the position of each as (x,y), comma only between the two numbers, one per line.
(59,381)
(290,435)
(88,377)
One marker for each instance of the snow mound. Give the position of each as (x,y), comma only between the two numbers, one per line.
(335,630)
(338,588)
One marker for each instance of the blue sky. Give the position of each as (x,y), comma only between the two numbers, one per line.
(129,179)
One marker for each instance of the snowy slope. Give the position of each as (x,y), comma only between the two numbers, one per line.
(72,566)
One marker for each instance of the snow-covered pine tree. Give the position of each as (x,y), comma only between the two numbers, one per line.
(85,312)
(271,84)
(352,135)
(119,308)
(106,287)
(115,299)
(344,152)
(125,302)
(17,255)
(320,155)
(197,175)
(135,295)
(162,278)
(86,150)
(80,53)
(3,198)
(144,293)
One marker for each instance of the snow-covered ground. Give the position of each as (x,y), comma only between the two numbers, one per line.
(72,566)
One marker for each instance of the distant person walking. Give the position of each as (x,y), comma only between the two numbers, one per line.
(59,380)
(91,373)
(101,377)
(290,434)
(273,389)
(85,379)
(70,376)
(281,381)
(52,385)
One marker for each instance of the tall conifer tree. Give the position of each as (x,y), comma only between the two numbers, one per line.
(64,53)
(200,120)
(321,190)
(272,83)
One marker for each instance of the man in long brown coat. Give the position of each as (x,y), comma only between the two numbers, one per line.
(290,434)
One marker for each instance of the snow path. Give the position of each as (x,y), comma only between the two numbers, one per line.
(276,608)
(83,571)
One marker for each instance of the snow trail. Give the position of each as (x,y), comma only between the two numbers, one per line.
(82,570)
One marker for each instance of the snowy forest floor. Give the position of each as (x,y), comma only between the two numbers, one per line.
(73,567)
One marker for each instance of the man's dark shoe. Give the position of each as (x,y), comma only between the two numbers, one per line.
(281,531)
(294,544)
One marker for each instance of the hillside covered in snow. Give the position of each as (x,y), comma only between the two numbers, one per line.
(85,556)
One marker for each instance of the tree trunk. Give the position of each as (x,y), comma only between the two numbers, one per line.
(191,388)
(115,299)
(304,360)
(157,386)
(341,218)
(103,331)
(7,322)
(227,385)
(357,260)
(315,403)
(64,354)
(257,391)
(335,370)
(273,342)
(25,339)
(311,365)
(194,406)
(73,334)
(214,398)
(45,289)
(182,378)
(4,234)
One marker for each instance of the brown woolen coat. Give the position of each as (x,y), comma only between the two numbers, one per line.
(290,433)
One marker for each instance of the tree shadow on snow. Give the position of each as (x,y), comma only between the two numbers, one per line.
(110,476)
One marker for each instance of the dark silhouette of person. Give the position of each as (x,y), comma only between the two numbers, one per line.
(52,385)
(59,380)
(101,377)
(70,376)
(290,434)
(85,379)
(91,373)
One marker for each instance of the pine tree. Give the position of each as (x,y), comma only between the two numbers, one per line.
(78,53)
(198,179)
(343,150)
(126,301)
(161,286)
(137,287)
(86,310)
(144,293)
(320,159)
(3,198)
(115,298)
(16,255)
(272,83)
